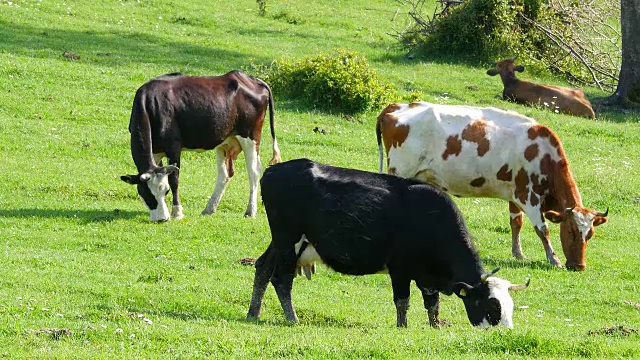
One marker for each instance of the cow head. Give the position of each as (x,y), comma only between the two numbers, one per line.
(153,186)
(576,228)
(488,303)
(506,68)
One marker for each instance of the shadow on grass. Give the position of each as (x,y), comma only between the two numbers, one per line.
(491,263)
(309,318)
(306,317)
(82,216)
(117,48)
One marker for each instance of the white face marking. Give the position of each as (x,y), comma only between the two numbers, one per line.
(159,186)
(499,289)
(584,223)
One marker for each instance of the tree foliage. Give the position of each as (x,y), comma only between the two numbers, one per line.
(580,39)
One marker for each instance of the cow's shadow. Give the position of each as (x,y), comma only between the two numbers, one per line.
(82,216)
(491,263)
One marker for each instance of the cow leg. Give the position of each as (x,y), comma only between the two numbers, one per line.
(543,233)
(542,229)
(282,280)
(221,182)
(516,224)
(254,167)
(264,270)
(431,299)
(401,292)
(174,180)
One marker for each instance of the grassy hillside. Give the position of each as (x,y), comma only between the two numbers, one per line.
(85,275)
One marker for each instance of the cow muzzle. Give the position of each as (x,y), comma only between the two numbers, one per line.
(160,214)
(576,267)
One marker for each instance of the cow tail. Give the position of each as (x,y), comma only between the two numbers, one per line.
(380,149)
(276,151)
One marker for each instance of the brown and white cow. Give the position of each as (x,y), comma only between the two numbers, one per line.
(174,112)
(557,98)
(488,152)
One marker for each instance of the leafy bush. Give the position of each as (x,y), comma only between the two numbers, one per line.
(565,36)
(492,28)
(341,81)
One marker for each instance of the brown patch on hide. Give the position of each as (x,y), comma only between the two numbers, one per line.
(478,182)
(475,132)
(393,135)
(543,131)
(454,146)
(503,174)
(534,199)
(521,192)
(531,152)
(539,187)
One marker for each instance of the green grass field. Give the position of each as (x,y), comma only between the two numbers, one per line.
(84,274)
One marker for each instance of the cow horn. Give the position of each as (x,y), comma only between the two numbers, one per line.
(172,168)
(485,276)
(603,214)
(519,287)
(515,58)
(569,210)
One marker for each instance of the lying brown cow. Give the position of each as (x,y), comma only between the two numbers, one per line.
(568,101)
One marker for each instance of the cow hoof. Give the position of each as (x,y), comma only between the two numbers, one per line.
(555,262)
(249,215)
(176,213)
(207,212)
(442,323)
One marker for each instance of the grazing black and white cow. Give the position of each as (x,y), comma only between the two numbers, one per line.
(359,223)
(174,112)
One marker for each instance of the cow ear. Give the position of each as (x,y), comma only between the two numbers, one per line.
(554,216)
(130,179)
(519,68)
(492,72)
(136,179)
(599,220)
(462,289)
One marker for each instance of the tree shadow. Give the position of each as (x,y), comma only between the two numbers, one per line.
(116,48)
(614,113)
(82,216)
(517,264)
(417,56)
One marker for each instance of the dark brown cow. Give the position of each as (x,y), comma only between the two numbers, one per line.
(174,112)
(488,152)
(557,98)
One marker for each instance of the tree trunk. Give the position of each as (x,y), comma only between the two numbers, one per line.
(628,91)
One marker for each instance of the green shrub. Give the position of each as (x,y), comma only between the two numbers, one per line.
(342,81)
(490,30)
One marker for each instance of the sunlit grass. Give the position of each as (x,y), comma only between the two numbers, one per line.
(79,254)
